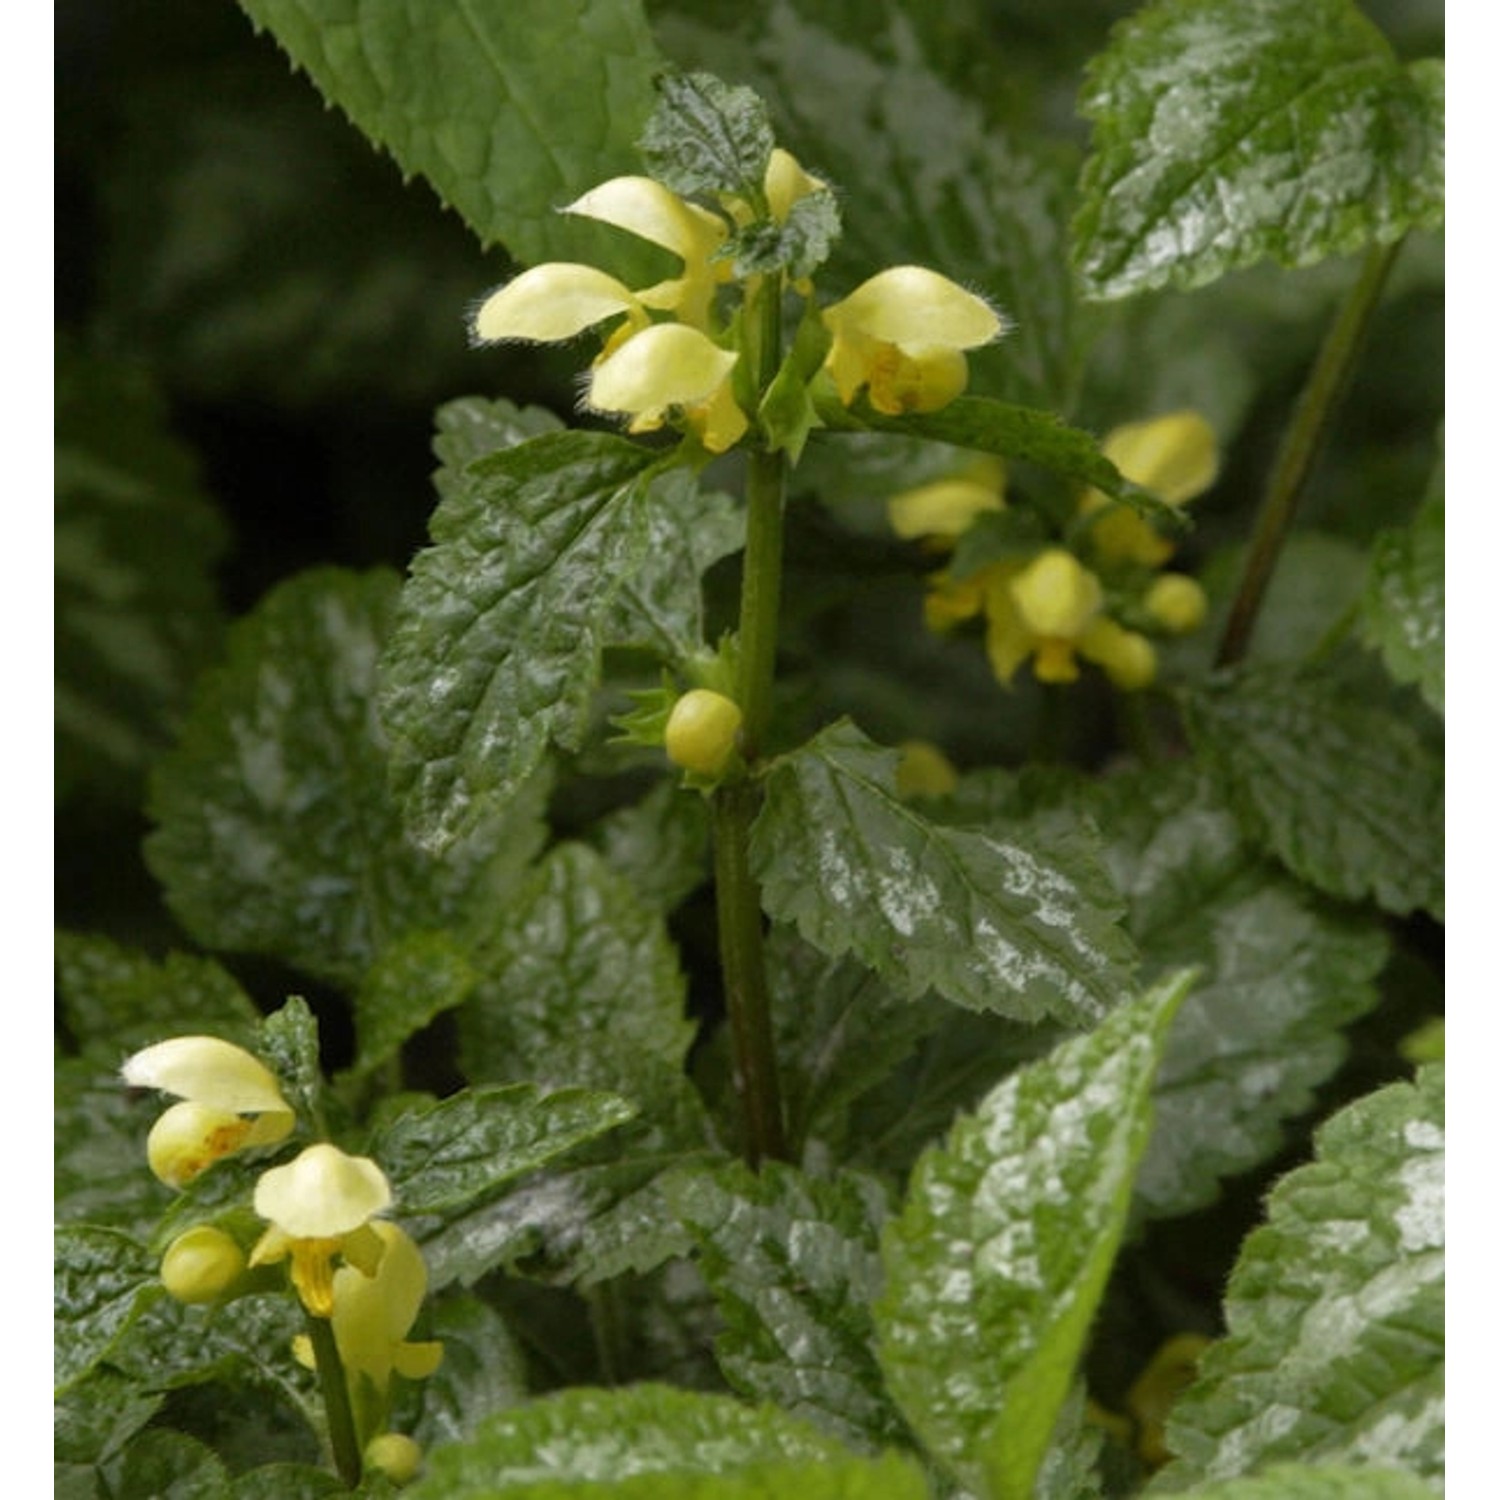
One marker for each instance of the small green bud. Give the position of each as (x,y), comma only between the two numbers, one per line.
(397,1456)
(701,731)
(201,1264)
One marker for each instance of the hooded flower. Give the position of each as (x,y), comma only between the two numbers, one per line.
(901,336)
(1174,456)
(320,1205)
(229,1099)
(643,207)
(373,1314)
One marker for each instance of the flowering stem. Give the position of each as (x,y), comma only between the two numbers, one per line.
(342,1437)
(1299,448)
(737,893)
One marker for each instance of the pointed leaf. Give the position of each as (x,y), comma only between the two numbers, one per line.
(497,642)
(1021,924)
(462,1149)
(794,1265)
(1341,789)
(1335,1309)
(645,1441)
(102,1281)
(1404,600)
(509,111)
(999,1258)
(706,137)
(1231,131)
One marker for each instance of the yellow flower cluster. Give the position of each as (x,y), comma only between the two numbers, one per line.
(1053,608)
(900,336)
(346,1264)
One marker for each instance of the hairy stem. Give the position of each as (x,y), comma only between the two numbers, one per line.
(741,951)
(1299,448)
(342,1436)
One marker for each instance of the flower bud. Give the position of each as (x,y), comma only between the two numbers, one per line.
(201,1264)
(395,1455)
(1056,595)
(700,733)
(924,771)
(1127,657)
(190,1137)
(1177,603)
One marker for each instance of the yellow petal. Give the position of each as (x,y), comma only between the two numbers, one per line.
(924,771)
(1007,642)
(1175,456)
(915,308)
(322,1193)
(786,183)
(207,1069)
(1177,603)
(189,1138)
(719,422)
(417,1361)
(944,508)
(552,302)
(643,207)
(1128,658)
(919,380)
(665,365)
(1055,595)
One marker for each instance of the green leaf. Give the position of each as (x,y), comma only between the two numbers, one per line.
(508,111)
(288,1482)
(798,246)
(659,606)
(659,844)
(498,637)
(99,1173)
(839,1031)
(473,427)
(999,1258)
(1280,973)
(1019,432)
(581,985)
(115,1001)
(165,1465)
(794,1265)
(1334,1309)
(706,137)
(462,1149)
(411,982)
(483,1371)
(277,832)
(136,609)
(653,1440)
(1343,791)
(989,921)
(102,1281)
(1404,603)
(289,1045)
(1232,131)
(98,1416)
(1318,1482)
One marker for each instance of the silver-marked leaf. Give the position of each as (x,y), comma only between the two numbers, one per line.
(1318,1482)
(1232,131)
(1335,1309)
(473,427)
(1341,789)
(496,650)
(794,1265)
(443,1159)
(654,1442)
(1020,923)
(1405,599)
(509,111)
(411,981)
(164,1463)
(999,1257)
(660,844)
(483,1370)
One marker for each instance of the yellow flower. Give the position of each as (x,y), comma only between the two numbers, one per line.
(944,509)
(786,182)
(645,208)
(229,1101)
(1155,1392)
(553,302)
(201,1264)
(923,771)
(373,1314)
(1127,657)
(319,1206)
(1174,456)
(1177,603)
(666,366)
(901,336)
(395,1455)
(1053,598)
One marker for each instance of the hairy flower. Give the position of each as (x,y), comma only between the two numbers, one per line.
(901,337)
(671,366)
(319,1206)
(229,1099)
(553,302)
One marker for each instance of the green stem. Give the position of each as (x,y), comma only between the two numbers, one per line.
(737,893)
(1299,448)
(342,1437)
